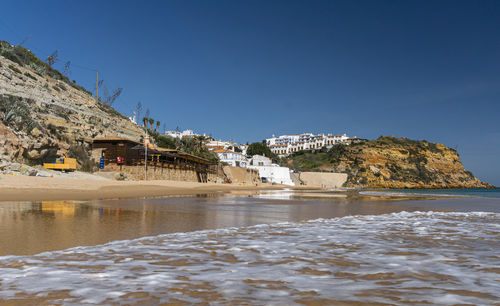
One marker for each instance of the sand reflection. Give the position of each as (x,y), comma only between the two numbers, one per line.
(34,227)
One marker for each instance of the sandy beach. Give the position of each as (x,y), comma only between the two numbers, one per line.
(26,188)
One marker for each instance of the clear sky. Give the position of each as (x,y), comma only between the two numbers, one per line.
(244,70)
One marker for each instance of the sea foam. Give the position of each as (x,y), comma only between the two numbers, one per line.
(406,257)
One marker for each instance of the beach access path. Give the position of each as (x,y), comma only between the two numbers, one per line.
(32,188)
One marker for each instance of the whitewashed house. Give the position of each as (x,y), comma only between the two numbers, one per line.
(269,172)
(259,160)
(219,144)
(285,145)
(183,134)
(234,159)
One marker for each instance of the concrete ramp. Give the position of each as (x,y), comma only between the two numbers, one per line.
(323,179)
(239,175)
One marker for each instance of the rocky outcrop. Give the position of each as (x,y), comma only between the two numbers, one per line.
(390,162)
(42,118)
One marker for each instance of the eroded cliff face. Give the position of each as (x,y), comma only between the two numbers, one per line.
(390,162)
(41,118)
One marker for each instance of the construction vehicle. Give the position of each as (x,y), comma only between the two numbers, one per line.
(63,164)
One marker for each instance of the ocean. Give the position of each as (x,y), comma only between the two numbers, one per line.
(465,192)
(257,249)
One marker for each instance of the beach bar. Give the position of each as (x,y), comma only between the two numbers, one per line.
(129,156)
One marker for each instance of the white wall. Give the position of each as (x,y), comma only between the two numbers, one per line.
(234,159)
(259,160)
(275,174)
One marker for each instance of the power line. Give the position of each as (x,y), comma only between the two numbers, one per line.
(131,109)
(42,51)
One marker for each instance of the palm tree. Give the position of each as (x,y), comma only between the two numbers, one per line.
(199,142)
(151,122)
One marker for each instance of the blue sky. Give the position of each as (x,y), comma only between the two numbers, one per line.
(243,70)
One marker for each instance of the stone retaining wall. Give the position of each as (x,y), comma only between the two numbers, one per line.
(158,173)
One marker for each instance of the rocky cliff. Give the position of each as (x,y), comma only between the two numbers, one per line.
(43,115)
(390,162)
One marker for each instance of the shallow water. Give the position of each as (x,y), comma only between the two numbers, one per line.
(30,228)
(464,192)
(266,248)
(399,258)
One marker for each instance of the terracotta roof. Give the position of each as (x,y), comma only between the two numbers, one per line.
(223,151)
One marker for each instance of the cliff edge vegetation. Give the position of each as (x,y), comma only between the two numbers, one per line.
(390,162)
(44,115)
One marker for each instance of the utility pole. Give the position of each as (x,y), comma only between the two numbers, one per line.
(146,155)
(96,83)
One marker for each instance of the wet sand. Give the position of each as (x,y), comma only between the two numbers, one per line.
(26,188)
(34,227)
(270,247)
(415,258)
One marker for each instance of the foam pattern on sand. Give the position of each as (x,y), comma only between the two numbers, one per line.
(419,257)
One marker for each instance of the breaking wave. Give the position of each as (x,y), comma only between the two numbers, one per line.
(418,257)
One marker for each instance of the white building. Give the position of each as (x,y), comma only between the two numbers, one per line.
(244,149)
(274,174)
(183,134)
(219,144)
(133,119)
(287,144)
(259,160)
(234,159)
(269,172)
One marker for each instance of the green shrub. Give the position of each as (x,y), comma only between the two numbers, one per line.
(433,148)
(336,152)
(14,68)
(260,148)
(16,112)
(163,141)
(29,76)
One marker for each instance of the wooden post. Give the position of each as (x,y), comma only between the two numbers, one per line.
(145,155)
(96,84)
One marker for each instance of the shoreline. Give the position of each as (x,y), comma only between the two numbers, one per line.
(25,188)
(28,188)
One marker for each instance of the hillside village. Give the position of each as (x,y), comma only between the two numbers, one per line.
(44,116)
(236,155)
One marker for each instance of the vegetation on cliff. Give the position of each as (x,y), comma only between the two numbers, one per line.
(44,116)
(25,58)
(390,162)
(260,148)
(191,145)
